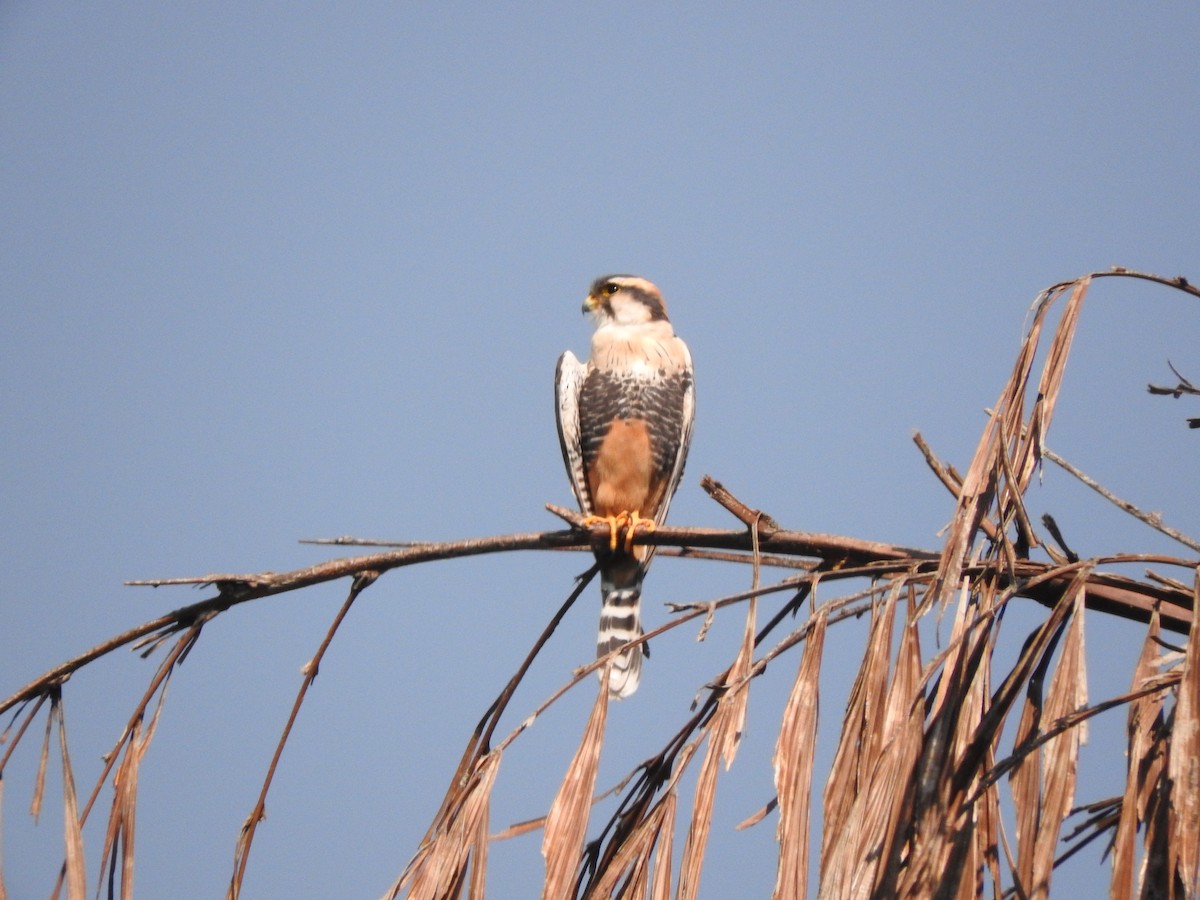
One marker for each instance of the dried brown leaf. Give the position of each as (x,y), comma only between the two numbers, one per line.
(479,858)
(519,828)
(1183,768)
(1025,783)
(886,803)
(653,835)
(992,461)
(566,823)
(964,725)
(630,866)
(74,863)
(639,879)
(988,836)
(633,865)
(793,762)
(934,815)
(724,735)
(976,849)
(122,819)
(702,807)
(1051,381)
(758,815)
(856,754)
(659,820)
(1042,777)
(978,485)
(1043,770)
(665,838)
(737,698)
(1155,878)
(26,721)
(39,782)
(1142,715)
(1068,693)
(438,869)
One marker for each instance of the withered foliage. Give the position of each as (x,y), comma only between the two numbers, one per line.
(937,749)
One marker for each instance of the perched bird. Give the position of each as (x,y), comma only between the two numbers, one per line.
(625,424)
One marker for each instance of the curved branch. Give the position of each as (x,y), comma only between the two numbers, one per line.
(1108,593)
(1178,282)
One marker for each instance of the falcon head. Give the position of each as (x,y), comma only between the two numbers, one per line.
(625,300)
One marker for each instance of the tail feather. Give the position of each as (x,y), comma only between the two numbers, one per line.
(620,622)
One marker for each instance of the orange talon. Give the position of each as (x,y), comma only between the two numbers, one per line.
(614,523)
(635,519)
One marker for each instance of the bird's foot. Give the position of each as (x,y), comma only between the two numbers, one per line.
(635,521)
(630,522)
(614,523)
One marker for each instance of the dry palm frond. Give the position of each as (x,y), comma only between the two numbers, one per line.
(1156,877)
(136,739)
(663,830)
(439,868)
(74,864)
(120,832)
(724,734)
(900,751)
(39,783)
(566,823)
(702,809)
(1183,770)
(632,864)
(1143,714)
(793,762)
(857,753)
(927,857)
(1044,781)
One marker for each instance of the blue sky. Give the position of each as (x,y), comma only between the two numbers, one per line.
(275,271)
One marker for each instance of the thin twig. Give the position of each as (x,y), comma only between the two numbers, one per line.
(950,477)
(1151,519)
(312,667)
(494,712)
(348,540)
(753,518)
(1183,387)
(1178,282)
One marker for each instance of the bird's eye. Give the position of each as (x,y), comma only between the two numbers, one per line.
(611,288)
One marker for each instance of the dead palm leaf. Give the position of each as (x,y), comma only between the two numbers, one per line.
(439,868)
(793,763)
(1142,716)
(74,864)
(856,753)
(566,823)
(1183,769)
(724,734)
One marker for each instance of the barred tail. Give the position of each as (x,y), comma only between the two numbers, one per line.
(621,622)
